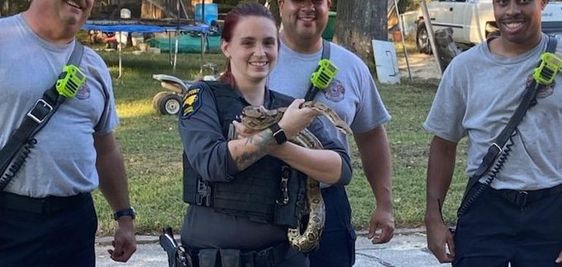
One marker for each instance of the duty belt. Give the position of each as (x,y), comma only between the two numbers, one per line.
(47,205)
(521,198)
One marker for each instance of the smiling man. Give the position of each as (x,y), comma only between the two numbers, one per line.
(47,216)
(353,95)
(511,213)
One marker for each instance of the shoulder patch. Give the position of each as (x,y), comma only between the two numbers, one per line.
(191,103)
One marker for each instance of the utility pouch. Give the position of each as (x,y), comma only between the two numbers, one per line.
(208,257)
(230,257)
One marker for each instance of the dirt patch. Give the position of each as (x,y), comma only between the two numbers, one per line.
(422,66)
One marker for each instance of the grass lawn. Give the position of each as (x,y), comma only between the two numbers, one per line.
(152,148)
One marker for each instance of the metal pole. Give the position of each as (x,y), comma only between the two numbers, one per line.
(430,34)
(203,34)
(401,24)
(178,3)
(176,50)
(203,11)
(170,48)
(183,8)
(119,49)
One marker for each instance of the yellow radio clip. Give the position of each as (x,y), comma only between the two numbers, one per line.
(547,70)
(70,81)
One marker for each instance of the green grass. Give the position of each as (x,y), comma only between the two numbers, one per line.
(152,149)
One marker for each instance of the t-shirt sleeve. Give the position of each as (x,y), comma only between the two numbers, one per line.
(109,119)
(371,111)
(448,109)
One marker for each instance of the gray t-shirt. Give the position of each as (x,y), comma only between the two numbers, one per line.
(352,93)
(477,96)
(63,161)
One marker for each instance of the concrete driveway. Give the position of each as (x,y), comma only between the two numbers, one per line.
(407,249)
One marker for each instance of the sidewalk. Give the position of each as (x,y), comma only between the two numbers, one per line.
(407,249)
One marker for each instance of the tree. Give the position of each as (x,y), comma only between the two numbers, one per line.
(11,7)
(273,6)
(358,22)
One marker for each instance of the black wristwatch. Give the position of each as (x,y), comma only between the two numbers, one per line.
(278,133)
(125,212)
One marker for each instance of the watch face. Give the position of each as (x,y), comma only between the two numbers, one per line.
(278,134)
(280,137)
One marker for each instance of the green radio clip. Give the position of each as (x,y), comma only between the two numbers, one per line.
(70,81)
(324,73)
(548,68)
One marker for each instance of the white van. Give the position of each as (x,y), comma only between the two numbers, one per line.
(473,20)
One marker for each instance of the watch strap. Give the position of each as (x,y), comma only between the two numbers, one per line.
(125,212)
(278,133)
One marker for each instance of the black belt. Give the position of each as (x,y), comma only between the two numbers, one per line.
(47,205)
(521,198)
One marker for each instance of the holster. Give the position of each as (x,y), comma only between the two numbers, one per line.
(177,255)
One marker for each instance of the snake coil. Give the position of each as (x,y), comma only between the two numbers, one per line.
(304,237)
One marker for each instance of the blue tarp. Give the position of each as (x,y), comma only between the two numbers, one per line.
(142,27)
(92,25)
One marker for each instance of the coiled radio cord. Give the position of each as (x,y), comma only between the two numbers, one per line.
(490,178)
(17,163)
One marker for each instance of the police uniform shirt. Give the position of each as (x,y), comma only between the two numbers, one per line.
(207,151)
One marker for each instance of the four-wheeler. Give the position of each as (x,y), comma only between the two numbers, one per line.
(169,102)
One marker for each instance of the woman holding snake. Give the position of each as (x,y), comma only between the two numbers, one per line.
(247,187)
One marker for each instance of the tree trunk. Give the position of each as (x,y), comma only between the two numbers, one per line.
(189,9)
(4,6)
(273,6)
(358,22)
(11,7)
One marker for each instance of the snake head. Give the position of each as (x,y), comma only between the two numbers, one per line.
(259,118)
(253,112)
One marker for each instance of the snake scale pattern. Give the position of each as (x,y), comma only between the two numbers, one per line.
(259,118)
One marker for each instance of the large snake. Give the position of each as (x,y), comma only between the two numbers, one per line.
(259,118)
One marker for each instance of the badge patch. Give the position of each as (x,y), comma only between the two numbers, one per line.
(190,102)
(335,91)
(84,92)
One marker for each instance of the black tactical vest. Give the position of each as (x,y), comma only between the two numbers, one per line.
(259,192)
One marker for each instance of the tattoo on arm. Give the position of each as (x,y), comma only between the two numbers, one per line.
(259,142)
